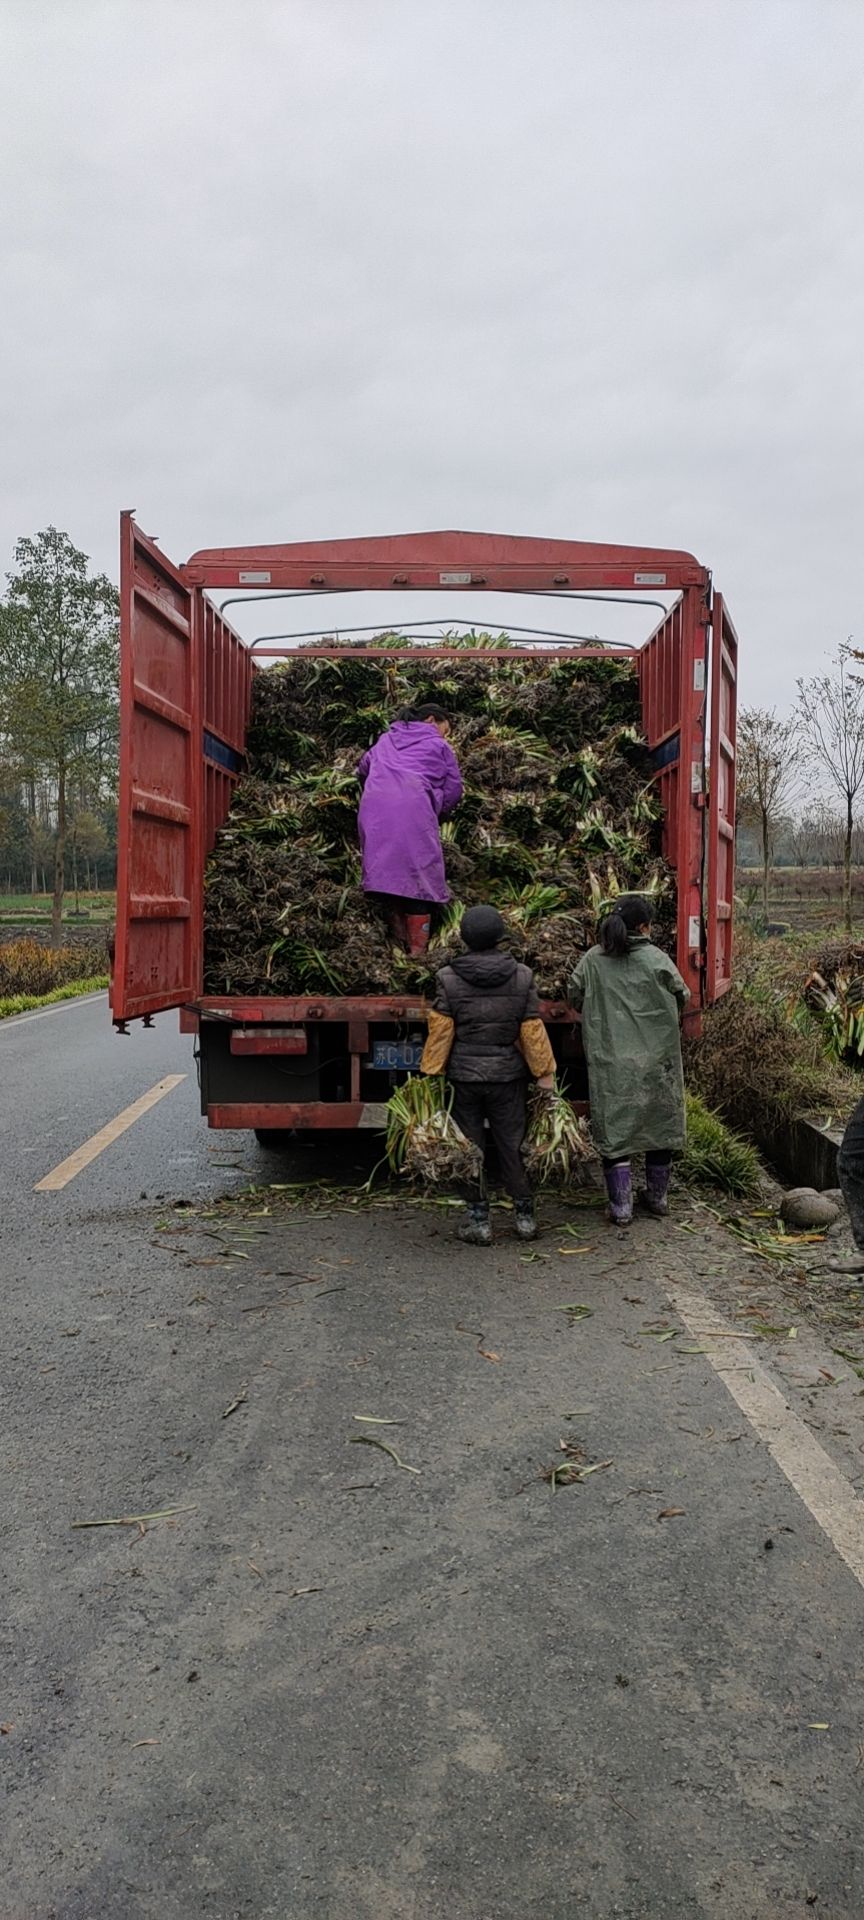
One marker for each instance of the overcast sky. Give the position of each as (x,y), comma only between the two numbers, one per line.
(284,269)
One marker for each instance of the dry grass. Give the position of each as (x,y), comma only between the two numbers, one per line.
(27,968)
(758,1069)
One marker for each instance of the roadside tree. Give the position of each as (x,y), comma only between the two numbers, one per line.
(830,716)
(59,649)
(766,779)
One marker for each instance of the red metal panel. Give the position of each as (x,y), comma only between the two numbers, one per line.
(279,1117)
(721,805)
(671,669)
(282,1115)
(227,670)
(261,1039)
(276,1011)
(502,562)
(157,956)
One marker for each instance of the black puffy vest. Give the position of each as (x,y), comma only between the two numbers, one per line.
(488,995)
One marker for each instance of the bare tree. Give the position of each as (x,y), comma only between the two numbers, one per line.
(766,778)
(831,730)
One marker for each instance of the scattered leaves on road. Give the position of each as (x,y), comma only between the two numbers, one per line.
(485,1352)
(375,1420)
(855,1360)
(571,1472)
(369,1440)
(135,1519)
(238,1401)
(671,1513)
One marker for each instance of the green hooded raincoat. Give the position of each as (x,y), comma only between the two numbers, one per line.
(630,1007)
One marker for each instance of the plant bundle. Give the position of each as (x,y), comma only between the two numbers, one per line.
(714,1156)
(423,1140)
(834,991)
(557,1144)
(559,814)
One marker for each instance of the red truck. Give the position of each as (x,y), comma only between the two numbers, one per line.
(277,1064)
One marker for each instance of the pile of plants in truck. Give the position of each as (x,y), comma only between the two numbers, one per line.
(559,814)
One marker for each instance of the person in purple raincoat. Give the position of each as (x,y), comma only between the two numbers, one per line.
(411,779)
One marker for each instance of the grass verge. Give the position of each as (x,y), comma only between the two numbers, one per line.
(14,1003)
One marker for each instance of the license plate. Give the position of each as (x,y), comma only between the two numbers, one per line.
(397,1056)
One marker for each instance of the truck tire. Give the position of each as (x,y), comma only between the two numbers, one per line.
(276,1139)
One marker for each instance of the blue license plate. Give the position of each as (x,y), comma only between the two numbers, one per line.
(397,1056)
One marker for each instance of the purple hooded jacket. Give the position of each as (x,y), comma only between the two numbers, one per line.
(410,779)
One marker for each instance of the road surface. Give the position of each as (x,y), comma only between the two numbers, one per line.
(333,1688)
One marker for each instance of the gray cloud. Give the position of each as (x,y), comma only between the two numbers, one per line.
(590,268)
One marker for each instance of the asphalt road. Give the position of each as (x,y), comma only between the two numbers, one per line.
(335,1688)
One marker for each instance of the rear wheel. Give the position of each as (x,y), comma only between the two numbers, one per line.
(279,1139)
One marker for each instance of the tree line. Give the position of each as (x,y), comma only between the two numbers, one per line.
(59,661)
(815,757)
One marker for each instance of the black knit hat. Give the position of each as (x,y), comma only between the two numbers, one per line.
(482,928)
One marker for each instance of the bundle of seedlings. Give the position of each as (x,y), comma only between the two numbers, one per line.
(716,1157)
(423,1141)
(557,1147)
(559,813)
(834,992)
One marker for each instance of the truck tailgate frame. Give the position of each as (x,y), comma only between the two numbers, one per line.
(186,685)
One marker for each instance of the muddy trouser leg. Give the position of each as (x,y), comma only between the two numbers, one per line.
(850,1172)
(469,1113)
(507,1113)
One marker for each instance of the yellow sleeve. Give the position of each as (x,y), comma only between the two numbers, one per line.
(535,1048)
(436,1052)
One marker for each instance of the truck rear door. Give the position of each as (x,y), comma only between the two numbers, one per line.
(157,959)
(721,800)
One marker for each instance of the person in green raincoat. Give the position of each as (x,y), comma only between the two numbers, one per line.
(631,996)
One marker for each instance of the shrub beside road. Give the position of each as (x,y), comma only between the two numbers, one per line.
(32,975)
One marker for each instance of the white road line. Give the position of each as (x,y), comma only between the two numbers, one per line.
(818,1481)
(81,1158)
(63,1006)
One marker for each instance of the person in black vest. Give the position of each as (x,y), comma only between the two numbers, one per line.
(485,1029)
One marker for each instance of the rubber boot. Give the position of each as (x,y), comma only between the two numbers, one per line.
(526,1225)
(657,1191)
(619,1186)
(476,1230)
(418,926)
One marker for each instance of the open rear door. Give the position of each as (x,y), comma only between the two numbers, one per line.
(721,800)
(157,960)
